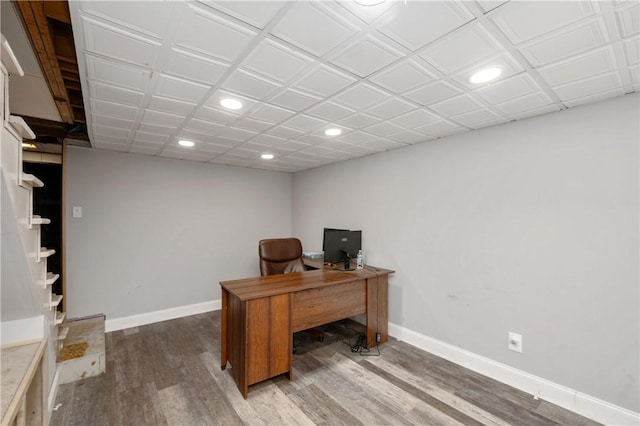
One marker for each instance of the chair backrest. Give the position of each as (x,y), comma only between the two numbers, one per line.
(280,256)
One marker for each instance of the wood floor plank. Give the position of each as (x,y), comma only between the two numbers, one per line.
(169,374)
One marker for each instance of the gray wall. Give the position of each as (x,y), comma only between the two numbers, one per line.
(161,233)
(529,227)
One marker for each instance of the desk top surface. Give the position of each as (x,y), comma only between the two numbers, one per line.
(271,285)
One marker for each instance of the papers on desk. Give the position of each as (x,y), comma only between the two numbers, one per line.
(313,254)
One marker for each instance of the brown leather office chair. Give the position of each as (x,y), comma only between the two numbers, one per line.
(280,256)
(283,256)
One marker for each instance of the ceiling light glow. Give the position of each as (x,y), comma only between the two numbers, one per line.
(231,103)
(186,143)
(485,75)
(369,2)
(333,131)
(28,145)
(267,156)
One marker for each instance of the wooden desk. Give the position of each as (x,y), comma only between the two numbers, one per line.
(260,315)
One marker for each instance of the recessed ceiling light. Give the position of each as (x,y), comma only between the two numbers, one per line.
(369,2)
(267,156)
(185,143)
(231,103)
(485,75)
(333,131)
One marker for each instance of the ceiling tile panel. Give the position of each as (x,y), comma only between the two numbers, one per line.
(360,96)
(478,118)
(440,128)
(114,73)
(511,88)
(150,139)
(171,106)
(115,94)
(253,125)
(294,99)
(565,42)
(329,111)
(115,132)
(408,137)
(112,122)
(382,144)
(358,121)
(235,133)
(432,93)
(415,119)
(136,15)
(390,108)
(276,61)
(523,21)
(357,137)
(324,81)
(162,118)
(305,123)
(250,85)
(199,27)
(108,41)
(191,66)
(594,98)
(312,139)
(384,128)
(285,132)
(177,88)
(215,115)
(404,76)
(202,126)
(576,68)
(156,129)
(632,50)
(525,103)
(414,24)
(461,49)
(270,113)
(457,105)
(591,86)
(628,18)
(313,28)
(366,56)
(112,109)
(256,13)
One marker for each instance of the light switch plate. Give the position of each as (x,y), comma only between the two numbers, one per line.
(77,211)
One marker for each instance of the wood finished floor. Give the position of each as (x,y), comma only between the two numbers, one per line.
(169,373)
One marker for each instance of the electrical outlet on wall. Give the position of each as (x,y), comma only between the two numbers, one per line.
(515,342)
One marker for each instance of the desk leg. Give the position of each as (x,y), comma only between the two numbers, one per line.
(223,326)
(372,311)
(383,308)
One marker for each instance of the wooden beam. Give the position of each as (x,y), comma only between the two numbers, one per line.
(35,20)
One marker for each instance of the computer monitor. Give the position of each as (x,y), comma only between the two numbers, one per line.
(340,245)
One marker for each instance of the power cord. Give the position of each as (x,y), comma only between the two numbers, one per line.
(359,345)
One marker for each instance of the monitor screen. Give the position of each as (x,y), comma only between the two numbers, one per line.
(338,244)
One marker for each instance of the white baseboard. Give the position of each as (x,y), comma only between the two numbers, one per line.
(538,387)
(22,330)
(162,315)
